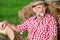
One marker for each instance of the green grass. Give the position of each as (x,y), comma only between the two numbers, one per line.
(9,10)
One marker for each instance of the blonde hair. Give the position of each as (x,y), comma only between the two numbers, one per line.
(26,13)
(55,11)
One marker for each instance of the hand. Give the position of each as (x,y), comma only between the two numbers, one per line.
(3,24)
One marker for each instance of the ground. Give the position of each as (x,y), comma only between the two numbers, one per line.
(9,10)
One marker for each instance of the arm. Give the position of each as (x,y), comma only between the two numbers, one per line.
(13,27)
(53,29)
(52,38)
(19,28)
(23,27)
(3,25)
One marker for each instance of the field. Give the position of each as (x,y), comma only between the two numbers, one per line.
(9,11)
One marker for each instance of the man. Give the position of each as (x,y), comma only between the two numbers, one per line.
(42,26)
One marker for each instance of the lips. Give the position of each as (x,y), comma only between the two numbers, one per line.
(41,14)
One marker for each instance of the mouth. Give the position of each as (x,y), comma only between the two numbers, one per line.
(41,14)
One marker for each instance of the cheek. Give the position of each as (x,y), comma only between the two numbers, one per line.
(44,9)
(34,9)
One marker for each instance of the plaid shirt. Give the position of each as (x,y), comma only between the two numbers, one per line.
(39,29)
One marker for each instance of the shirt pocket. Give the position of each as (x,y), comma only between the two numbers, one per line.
(44,32)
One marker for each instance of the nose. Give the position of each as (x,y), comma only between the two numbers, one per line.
(41,9)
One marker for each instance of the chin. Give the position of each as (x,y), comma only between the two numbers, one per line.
(42,14)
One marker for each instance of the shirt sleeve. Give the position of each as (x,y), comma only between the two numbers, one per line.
(53,27)
(24,26)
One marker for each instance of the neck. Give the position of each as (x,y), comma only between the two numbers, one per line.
(39,17)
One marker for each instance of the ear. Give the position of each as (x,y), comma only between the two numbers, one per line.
(46,7)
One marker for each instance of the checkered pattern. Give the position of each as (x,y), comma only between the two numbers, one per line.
(39,29)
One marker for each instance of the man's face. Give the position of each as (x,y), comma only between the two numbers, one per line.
(40,10)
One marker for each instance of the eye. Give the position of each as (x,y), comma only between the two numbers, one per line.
(33,6)
(43,6)
(38,7)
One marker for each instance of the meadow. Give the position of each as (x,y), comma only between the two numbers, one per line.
(9,11)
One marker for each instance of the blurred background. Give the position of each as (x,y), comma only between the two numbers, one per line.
(9,11)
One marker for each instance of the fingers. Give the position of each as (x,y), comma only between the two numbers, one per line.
(10,33)
(3,25)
